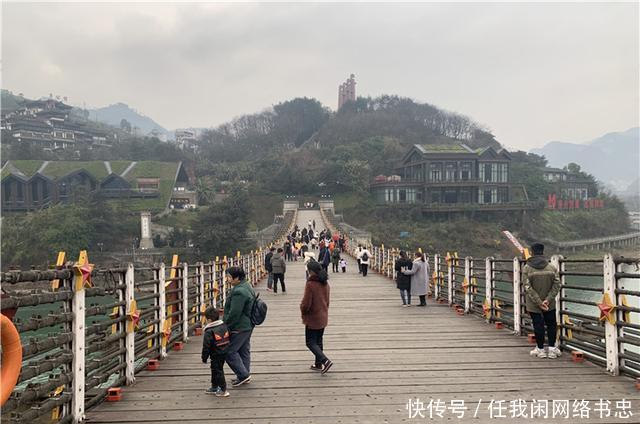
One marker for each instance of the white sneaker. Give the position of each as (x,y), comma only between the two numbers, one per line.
(554,352)
(540,353)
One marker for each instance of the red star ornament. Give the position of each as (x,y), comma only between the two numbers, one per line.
(82,272)
(607,309)
(133,317)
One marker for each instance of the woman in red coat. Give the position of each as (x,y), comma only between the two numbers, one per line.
(315,314)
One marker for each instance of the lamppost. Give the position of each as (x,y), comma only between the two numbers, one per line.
(133,249)
(100,245)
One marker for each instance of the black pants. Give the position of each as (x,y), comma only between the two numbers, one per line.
(277,277)
(217,372)
(334,266)
(365,269)
(314,344)
(547,318)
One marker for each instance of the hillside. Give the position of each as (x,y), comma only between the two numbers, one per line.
(601,157)
(114,114)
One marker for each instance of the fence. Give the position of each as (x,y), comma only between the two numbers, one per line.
(85,331)
(598,306)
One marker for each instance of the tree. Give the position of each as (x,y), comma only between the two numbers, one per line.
(125,125)
(221,229)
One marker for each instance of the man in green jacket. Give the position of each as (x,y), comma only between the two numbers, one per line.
(541,285)
(237,316)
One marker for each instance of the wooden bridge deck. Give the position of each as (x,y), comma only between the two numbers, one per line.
(383,356)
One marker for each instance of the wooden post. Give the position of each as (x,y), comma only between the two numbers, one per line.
(488,283)
(467,277)
(450,279)
(185,302)
(517,298)
(78,347)
(162,308)
(436,270)
(130,339)
(201,297)
(611,329)
(557,261)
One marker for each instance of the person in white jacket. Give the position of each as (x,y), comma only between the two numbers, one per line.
(364,256)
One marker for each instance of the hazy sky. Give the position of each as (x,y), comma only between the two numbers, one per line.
(530,72)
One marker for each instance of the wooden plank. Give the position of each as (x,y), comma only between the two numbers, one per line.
(384,355)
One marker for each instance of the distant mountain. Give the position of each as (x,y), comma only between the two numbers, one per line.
(613,158)
(113,114)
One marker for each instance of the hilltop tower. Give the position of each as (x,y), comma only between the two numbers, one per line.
(347,91)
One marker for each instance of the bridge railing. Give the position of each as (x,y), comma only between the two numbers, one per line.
(598,306)
(81,338)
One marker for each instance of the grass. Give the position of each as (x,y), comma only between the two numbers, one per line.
(27,167)
(118,166)
(57,169)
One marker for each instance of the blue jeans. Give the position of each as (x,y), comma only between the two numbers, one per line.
(405,295)
(239,354)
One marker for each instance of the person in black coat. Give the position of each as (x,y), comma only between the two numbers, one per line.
(269,268)
(403,282)
(324,257)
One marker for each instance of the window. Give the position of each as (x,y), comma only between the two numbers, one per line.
(450,171)
(411,195)
(494,172)
(503,170)
(6,189)
(436,171)
(465,196)
(465,171)
(450,196)
(35,196)
(435,196)
(485,172)
(402,198)
(19,192)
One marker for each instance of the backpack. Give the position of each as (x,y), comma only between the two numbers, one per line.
(364,257)
(258,311)
(220,340)
(336,252)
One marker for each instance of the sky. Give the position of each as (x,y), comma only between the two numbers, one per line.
(531,73)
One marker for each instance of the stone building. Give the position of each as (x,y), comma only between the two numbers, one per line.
(347,91)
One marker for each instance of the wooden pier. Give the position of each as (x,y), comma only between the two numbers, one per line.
(384,356)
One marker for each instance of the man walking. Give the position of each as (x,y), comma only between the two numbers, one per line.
(278,267)
(269,268)
(237,316)
(541,282)
(364,257)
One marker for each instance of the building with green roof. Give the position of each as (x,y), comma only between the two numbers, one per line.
(449,177)
(147,185)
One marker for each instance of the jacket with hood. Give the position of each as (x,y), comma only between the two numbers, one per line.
(314,306)
(541,282)
(215,340)
(267,261)
(403,282)
(277,264)
(237,308)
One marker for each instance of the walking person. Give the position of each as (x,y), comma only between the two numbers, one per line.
(324,257)
(358,253)
(314,309)
(335,259)
(237,316)
(403,282)
(214,347)
(314,224)
(278,267)
(419,273)
(541,282)
(364,256)
(269,268)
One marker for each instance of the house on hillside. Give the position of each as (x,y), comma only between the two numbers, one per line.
(451,177)
(568,185)
(32,185)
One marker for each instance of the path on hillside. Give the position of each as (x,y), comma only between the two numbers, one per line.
(383,356)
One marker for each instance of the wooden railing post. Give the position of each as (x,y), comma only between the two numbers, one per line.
(557,261)
(488,283)
(185,302)
(467,276)
(436,268)
(517,297)
(130,339)
(162,309)
(611,329)
(450,279)
(201,302)
(79,351)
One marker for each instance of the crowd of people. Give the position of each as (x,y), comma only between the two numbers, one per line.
(228,338)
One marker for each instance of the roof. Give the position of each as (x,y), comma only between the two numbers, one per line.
(166,172)
(549,169)
(444,148)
